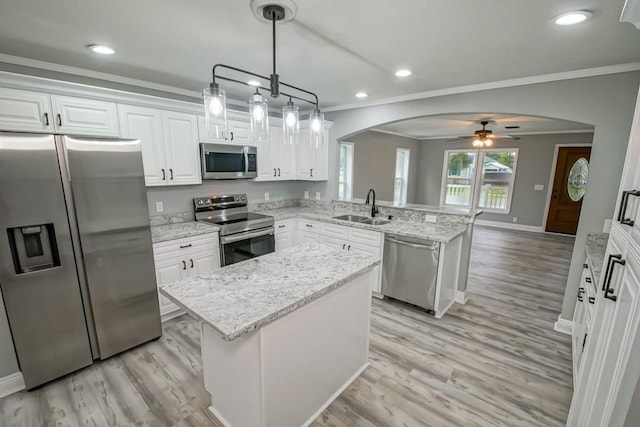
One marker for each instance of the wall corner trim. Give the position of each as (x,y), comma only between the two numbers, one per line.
(563,326)
(461,297)
(510,226)
(10,384)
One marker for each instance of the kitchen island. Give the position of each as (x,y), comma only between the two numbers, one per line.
(282,335)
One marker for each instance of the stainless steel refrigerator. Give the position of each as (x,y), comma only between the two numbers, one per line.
(76,261)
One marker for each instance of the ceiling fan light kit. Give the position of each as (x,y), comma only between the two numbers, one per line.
(272,11)
(483,138)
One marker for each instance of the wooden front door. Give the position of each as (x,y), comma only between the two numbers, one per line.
(566,193)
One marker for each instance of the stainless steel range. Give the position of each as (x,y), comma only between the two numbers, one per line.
(243,234)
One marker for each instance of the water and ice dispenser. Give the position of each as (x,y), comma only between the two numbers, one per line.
(33,248)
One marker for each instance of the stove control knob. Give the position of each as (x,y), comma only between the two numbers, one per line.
(243,198)
(200,202)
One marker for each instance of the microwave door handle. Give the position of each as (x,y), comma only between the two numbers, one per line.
(246,161)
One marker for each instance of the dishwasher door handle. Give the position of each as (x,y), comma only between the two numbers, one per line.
(432,247)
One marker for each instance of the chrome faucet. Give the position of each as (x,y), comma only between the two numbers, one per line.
(374,209)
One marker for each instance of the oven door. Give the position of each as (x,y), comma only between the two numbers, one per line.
(243,246)
(221,161)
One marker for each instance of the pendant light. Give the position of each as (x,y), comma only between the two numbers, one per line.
(259,118)
(290,123)
(215,111)
(214,97)
(316,129)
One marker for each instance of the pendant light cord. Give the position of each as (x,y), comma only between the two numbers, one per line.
(273,23)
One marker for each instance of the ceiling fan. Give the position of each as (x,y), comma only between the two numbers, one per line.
(484,137)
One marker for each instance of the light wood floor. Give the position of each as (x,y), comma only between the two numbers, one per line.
(494,361)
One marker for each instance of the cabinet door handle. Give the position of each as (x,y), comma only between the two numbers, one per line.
(608,269)
(623,205)
(343,246)
(608,292)
(191,262)
(164,175)
(281,226)
(580,292)
(184,265)
(587,279)
(46,119)
(278,171)
(628,221)
(309,225)
(171,173)
(231,136)
(349,247)
(274,172)
(59,118)
(311,172)
(592,300)
(185,246)
(585,265)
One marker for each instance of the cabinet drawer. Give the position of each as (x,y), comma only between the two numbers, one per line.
(179,247)
(337,242)
(309,226)
(285,225)
(366,237)
(336,231)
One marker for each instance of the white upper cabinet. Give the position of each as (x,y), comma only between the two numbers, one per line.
(276,160)
(25,111)
(146,124)
(312,163)
(238,130)
(170,149)
(79,116)
(182,148)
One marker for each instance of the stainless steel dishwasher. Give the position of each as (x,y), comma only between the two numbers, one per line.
(410,270)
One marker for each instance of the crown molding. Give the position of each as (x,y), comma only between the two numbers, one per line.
(388,132)
(543,78)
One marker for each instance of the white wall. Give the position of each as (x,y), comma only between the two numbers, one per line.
(535,158)
(607,102)
(374,164)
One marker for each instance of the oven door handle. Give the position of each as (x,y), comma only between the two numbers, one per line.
(244,236)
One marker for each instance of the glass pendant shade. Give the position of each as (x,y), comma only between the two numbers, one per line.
(316,129)
(259,118)
(290,123)
(215,110)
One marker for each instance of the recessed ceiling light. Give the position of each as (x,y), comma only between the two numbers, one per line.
(571,18)
(253,83)
(362,95)
(403,73)
(101,49)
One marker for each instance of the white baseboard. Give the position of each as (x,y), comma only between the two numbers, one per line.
(461,297)
(510,226)
(563,326)
(11,384)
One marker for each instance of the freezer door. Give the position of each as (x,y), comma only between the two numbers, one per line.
(107,182)
(38,274)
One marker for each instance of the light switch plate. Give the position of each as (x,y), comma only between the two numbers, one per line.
(538,187)
(431,218)
(515,219)
(159,207)
(306,194)
(317,195)
(266,196)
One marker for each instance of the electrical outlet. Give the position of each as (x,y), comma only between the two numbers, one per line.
(431,218)
(515,219)
(266,196)
(159,207)
(317,195)
(607,226)
(538,187)
(306,194)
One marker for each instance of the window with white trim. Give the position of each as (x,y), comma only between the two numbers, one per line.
(479,179)
(345,176)
(402,176)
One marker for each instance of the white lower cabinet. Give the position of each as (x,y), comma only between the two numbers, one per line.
(181,258)
(285,234)
(308,231)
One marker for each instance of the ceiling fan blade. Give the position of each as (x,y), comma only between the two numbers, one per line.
(514,138)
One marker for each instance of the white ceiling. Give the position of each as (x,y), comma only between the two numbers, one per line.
(333,47)
(453,125)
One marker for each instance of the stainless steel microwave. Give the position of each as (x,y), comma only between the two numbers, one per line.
(220,161)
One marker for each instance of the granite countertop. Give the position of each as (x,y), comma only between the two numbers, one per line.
(417,207)
(441,232)
(246,296)
(162,233)
(596,249)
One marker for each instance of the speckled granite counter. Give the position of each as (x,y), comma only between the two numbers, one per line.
(440,232)
(162,233)
(248,295)
(596,248)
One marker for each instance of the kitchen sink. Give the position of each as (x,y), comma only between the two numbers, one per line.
(375,221)
(352,218)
